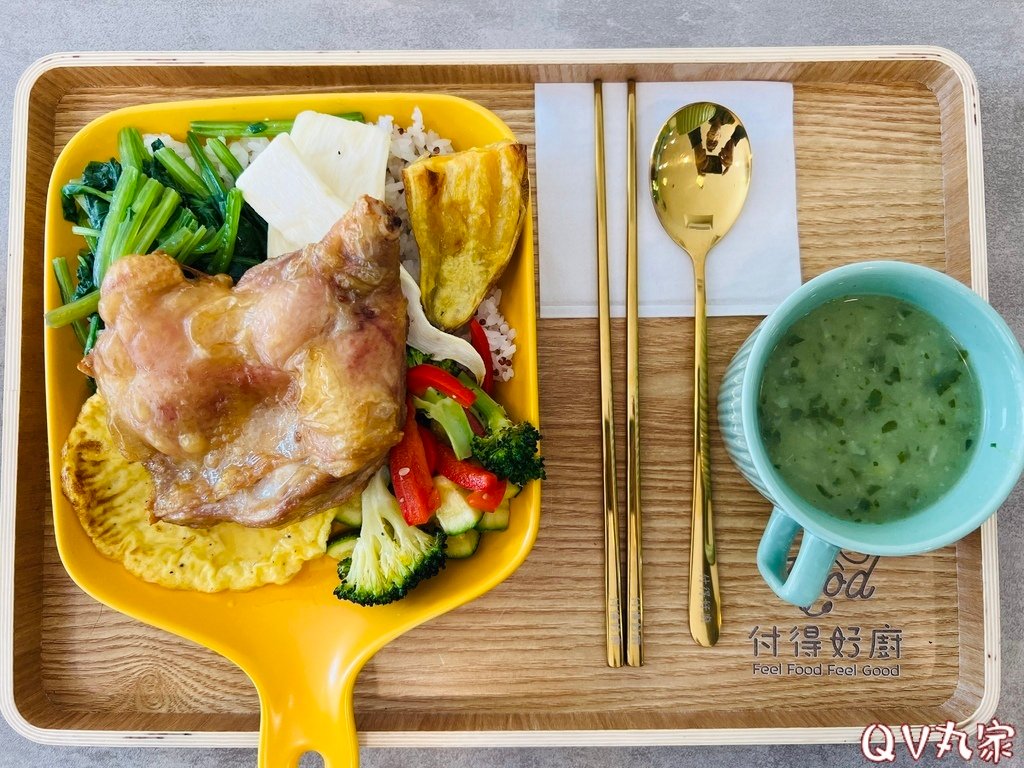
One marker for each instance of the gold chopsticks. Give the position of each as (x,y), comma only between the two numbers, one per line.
(634,543)
(612,575)
(634,651)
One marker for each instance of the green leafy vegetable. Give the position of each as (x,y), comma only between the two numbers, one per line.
(102,176)
(74,188)
(94,329)
(223,129)
(84,276)
(94,209)
(149,199)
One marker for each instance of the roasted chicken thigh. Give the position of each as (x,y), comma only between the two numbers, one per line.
(264,402)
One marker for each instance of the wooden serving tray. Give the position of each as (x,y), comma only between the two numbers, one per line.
(525,664)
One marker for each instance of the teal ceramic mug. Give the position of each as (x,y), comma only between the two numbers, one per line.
(998,365)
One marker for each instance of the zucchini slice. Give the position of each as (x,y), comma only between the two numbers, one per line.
(351,512)
(496,520)
(342,547)
(454,515)
(463,545)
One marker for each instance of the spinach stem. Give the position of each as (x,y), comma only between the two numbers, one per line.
(232,213)
(155,221)
(132,150)
(124,194)
(220,149)
(238,128)
(183,176)
(65,283)
(79,309)
(210,177)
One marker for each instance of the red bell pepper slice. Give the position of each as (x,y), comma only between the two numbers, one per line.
(474,423)
(422,377)
(478,338)
(410,475)
(466,474)
(429,447)
(488,500)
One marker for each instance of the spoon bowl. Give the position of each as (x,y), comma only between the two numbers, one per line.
(700,176)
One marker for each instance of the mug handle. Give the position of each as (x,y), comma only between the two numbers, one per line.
(813,563)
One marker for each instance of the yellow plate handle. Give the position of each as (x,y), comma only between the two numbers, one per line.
(297,716)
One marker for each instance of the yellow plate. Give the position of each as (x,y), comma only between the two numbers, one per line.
(300,645)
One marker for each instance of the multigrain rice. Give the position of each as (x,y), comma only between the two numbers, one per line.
(500,336)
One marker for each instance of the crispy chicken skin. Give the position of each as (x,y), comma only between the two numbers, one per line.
(268,401)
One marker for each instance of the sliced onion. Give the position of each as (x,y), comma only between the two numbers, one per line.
(430,340)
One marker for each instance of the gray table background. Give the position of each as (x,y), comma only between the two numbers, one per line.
(988,33)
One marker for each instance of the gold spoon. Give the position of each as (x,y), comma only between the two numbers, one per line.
(700,175)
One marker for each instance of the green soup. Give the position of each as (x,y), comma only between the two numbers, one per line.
(868,408)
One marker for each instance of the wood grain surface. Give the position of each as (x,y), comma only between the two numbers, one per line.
(530,654)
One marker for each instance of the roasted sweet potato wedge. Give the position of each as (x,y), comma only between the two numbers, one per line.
(466,210)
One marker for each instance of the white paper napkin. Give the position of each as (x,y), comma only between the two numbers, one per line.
(753,268)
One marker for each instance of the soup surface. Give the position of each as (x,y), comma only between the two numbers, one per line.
(869,408)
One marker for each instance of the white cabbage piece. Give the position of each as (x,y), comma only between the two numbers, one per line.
(292,198)
(350,157)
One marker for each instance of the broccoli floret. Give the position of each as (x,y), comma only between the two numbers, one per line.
(391,556)
(414,357)
(508,449)
(511,452)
